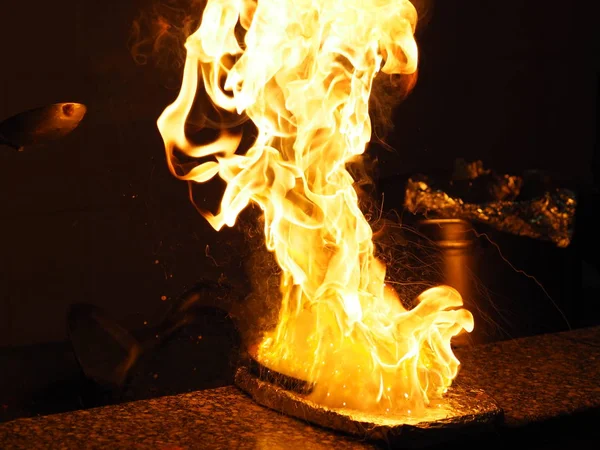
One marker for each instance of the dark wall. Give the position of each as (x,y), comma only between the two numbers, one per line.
(509,82)
(98,218)
(95,217)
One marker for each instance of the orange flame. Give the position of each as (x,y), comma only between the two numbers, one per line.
(303,73)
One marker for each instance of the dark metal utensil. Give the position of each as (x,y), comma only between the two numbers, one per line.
(41,125)
(106,352)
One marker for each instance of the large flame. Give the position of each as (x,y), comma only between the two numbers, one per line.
(302,71)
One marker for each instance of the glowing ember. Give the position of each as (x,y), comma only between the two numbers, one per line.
(302,71)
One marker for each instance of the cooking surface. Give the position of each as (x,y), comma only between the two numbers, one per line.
(543,380)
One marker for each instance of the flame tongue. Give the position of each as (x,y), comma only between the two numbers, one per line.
(303,75)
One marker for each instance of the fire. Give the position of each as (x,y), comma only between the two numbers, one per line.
(302,71)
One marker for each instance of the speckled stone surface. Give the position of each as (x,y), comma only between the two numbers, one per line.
(539,377)
(532,379)
(221,418)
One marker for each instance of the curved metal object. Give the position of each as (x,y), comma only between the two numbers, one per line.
(464,409)
(41,125)
(106,352)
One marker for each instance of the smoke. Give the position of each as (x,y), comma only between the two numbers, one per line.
(159,32)
(389,91)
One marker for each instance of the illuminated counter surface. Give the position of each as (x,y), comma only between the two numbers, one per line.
(547,385)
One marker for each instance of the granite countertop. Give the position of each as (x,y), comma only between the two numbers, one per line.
(533,379)
(214,418)
(537,378)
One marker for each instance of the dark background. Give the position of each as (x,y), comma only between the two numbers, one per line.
(98,218)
